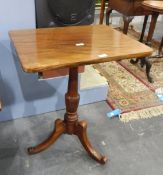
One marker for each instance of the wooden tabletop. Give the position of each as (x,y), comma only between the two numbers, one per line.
(50,48)
(156,6)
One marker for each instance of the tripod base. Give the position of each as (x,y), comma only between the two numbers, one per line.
(70,125)
(80,130)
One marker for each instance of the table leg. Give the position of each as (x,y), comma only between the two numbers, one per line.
(132,61)
(149,39)
(127,20)
(59,129)
(159,55)
(82,135)
(144,28)
(145,61)
(152,28)
(160,48)
(102,11)
(70,124)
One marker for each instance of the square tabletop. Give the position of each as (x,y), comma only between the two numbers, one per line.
(50,48)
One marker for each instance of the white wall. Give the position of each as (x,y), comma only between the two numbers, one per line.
(23,94)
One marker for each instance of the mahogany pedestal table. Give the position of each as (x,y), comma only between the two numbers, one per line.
(46,49)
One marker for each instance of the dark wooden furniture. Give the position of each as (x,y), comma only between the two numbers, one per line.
(129,9)
(155,8)
(102,9)
(160,49)
(46,49)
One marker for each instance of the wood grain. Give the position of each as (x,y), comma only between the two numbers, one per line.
(58,72)
(50,48)
(156,6)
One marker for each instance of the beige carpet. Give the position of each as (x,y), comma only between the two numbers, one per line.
(129,89)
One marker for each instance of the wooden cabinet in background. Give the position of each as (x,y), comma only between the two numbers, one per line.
(128,8)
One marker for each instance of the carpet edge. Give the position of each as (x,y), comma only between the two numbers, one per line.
(142,114)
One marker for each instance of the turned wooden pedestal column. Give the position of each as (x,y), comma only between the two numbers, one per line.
(70,124)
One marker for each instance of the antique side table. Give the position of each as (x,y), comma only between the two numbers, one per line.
(46,49)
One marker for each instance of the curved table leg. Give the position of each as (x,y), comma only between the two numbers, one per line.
(82,135)
(148,68)
(145,61)
(58,130)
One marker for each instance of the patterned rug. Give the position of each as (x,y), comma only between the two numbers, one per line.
(130,91)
